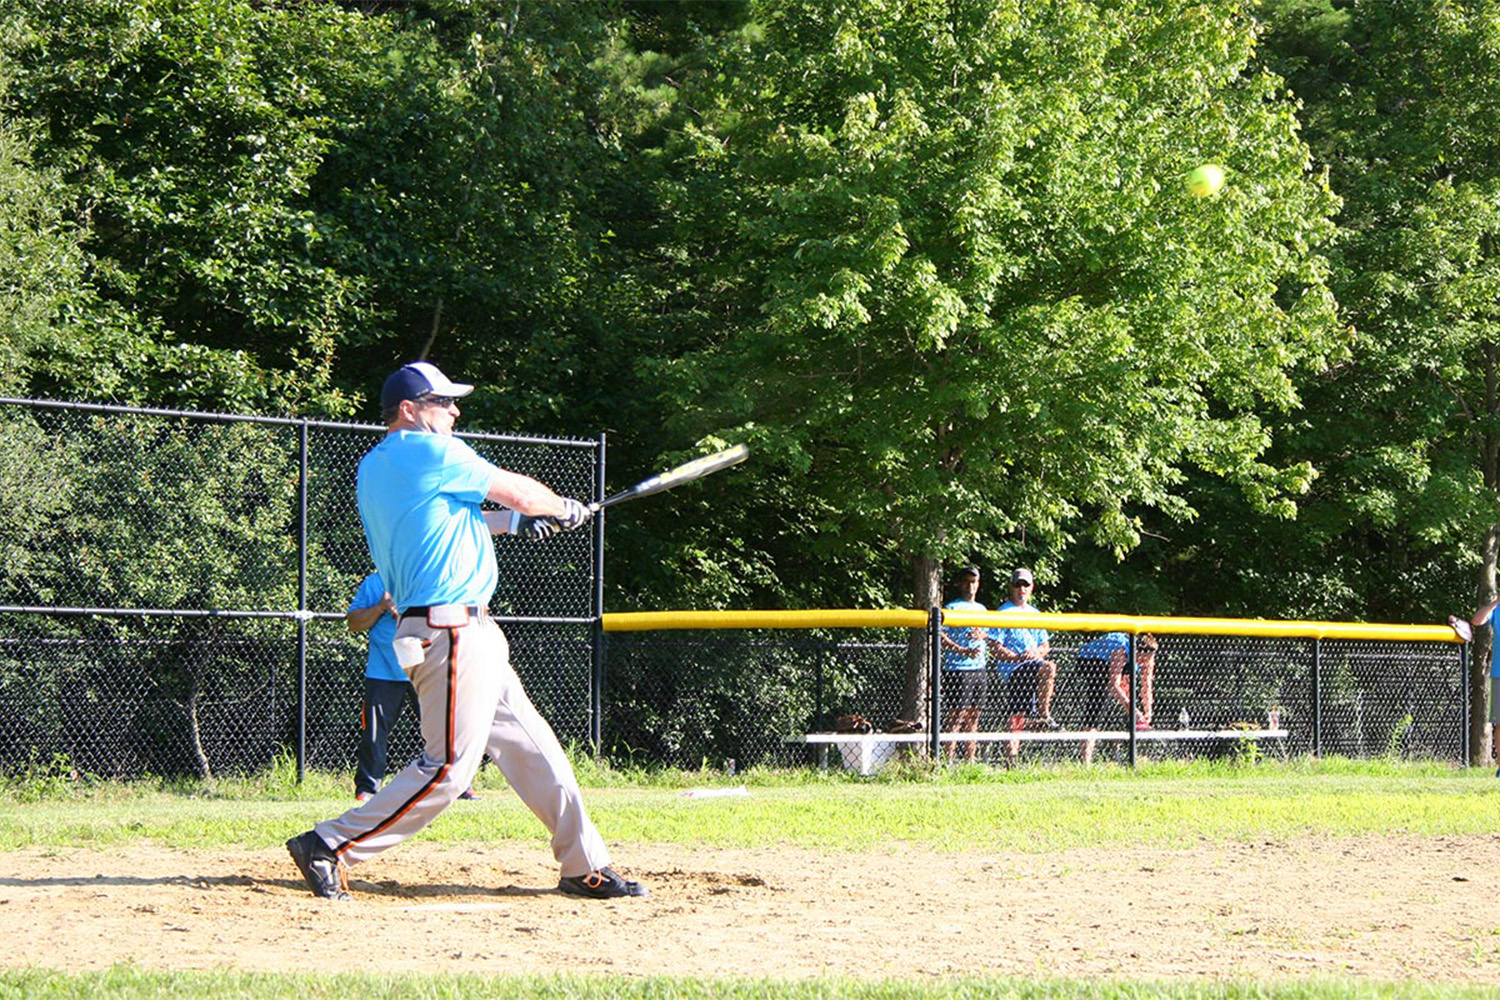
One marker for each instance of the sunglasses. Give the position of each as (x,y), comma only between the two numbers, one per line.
(1021,583)
(444,401)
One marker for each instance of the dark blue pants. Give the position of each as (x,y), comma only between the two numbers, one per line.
(382,707)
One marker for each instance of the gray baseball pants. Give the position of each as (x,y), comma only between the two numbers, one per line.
(472,702)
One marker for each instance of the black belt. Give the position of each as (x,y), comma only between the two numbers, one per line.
(474,610)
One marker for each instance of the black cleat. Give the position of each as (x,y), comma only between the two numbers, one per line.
(319,865)
(602,884)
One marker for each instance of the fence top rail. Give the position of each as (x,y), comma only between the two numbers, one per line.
(337,616)
(639,621)
(1267,627)
(250,418)
(643,621)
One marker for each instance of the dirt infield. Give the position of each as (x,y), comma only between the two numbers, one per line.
(1382,909)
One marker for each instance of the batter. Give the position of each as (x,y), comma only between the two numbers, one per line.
(419,494)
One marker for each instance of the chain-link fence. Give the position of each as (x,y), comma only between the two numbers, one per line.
(686,699)
(845,697)
(173,586)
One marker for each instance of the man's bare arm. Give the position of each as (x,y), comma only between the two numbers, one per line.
(522,493)
(1483,614)
(364,619)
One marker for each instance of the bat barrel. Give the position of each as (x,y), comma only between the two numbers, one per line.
(685,473)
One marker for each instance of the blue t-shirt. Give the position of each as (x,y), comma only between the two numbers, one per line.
(1494,645)
(1018,640)
(975,657)
(419,498)
(1104,647)
(381,663)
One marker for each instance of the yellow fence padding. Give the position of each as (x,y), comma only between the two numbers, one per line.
(639,621)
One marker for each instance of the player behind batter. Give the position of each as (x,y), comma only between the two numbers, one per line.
(387,688)
(419,492)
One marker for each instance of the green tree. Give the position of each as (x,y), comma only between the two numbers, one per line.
(188,135)
(949,279)
(466,195)
(39,251)
(1402,102)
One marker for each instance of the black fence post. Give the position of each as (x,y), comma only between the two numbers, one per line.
(302,611)
(1463,682)
(1317,697)
(1130,692)
(935,681)
(600,643)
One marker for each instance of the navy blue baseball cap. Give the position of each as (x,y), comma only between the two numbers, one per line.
(416,380)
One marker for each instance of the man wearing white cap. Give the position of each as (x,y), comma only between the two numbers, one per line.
(1023,653)
(420,492)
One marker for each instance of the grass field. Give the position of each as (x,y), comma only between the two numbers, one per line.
(227,986)
(1041,811)
(1162,805)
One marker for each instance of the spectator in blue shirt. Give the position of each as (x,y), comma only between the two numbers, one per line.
(1022,654)
(387,688)
(1101,672)
(964,655)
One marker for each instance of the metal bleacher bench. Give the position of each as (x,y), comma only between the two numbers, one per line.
(865,745)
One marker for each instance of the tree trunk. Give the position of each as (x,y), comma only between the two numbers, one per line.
(1479,656)
(195,735)
(1489,458)
(437,324)
(927,592)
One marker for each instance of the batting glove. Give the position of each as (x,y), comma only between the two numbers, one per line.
(536,528)
(574,515)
